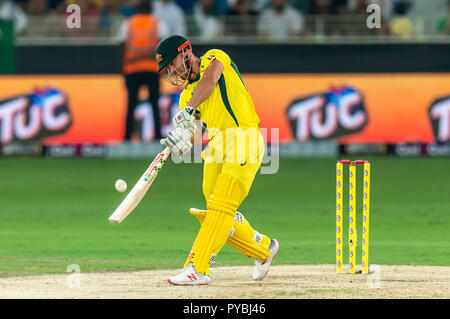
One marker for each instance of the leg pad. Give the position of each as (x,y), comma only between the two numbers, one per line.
(216,226)
(242,236)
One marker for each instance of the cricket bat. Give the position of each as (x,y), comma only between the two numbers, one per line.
(136,194)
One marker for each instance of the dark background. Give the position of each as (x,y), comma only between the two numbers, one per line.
(264,58)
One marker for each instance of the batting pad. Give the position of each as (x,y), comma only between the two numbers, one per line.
(218,222)
(247,240)
(242,236)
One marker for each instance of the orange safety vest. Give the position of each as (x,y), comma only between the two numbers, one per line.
(140,45)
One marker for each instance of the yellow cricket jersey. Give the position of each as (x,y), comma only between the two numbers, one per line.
(230,104)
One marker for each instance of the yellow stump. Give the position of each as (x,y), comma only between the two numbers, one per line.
(365,226)
(352,237)
(339,193)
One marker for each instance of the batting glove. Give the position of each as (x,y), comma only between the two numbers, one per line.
(185,119)
(178,140)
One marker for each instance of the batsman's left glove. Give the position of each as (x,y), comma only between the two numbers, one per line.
(178,140)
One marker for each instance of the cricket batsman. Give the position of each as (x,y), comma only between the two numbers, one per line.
(215,94)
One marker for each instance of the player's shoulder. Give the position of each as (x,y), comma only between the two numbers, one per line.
(215,51)
(212,54)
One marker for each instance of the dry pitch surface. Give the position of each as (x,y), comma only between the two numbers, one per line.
(284,281)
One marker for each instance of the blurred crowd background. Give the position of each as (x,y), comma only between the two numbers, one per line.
(277,20)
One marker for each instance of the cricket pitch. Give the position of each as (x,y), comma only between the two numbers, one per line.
(282,282)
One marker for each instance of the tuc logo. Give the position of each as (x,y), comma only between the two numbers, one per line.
(34,116)
(439,113)
(331,114)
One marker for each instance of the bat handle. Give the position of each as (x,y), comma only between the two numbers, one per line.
(166,151)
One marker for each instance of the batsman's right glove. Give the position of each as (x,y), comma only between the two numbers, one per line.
(185,119)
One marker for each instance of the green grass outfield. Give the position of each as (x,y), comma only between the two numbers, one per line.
(54,212)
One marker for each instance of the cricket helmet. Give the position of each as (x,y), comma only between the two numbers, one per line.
(168,49)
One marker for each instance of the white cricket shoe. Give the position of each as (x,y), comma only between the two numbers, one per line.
(262,266)
(188,277)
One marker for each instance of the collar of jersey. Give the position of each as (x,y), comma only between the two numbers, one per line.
(198,75)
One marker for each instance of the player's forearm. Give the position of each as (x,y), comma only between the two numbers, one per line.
(207,84)
(203,90)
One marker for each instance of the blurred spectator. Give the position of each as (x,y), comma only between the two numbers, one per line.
(54,4)
(360,7)
(241,19)
(425,15)
(401,25)
(88,7)
(128,8)
(206,18)
(22,4)
(37,7)
(186,5)
(355,22)
(90,17)
(11,12)
(172,17)
(280,21)
(303,6)
(41,22)
(334,20)
(443,26)
(329,7)
(139,36)
(259,5)
(221,6)
(109,14)
(386,7)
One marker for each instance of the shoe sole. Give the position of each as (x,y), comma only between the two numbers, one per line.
(175,284)
(270,264)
